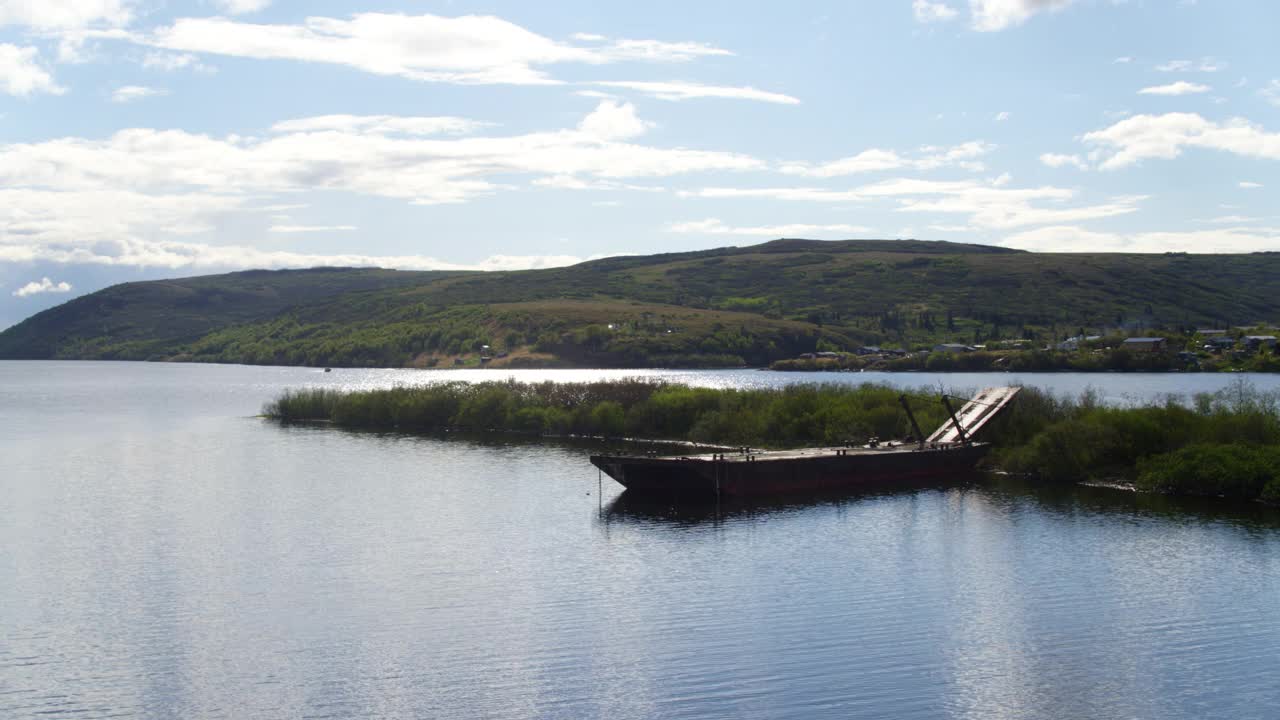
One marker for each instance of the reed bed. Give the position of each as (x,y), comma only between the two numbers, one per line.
(1222,444)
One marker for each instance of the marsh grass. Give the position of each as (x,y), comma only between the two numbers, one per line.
(786,417)
(1216,444)
(1213,445)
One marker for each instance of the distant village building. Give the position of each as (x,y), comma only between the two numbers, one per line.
(1144,344)
(952,348)
(868,350)
(1211,333)
(1220,342)
(1254,342)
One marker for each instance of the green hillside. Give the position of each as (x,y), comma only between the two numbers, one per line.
(726,306)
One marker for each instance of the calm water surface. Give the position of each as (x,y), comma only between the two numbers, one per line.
(165,554)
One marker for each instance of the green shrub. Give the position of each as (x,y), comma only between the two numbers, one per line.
(1227,470)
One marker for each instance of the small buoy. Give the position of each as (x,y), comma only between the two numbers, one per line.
(328,369)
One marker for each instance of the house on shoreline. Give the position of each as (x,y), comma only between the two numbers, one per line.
(1260,342)
(1144,344)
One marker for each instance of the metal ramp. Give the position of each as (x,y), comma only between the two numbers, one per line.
(975,413)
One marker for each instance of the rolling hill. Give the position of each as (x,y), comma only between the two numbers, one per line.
(726,306)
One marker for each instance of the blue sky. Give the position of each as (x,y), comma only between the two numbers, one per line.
(152,138)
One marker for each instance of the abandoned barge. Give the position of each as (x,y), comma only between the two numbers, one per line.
(951,449)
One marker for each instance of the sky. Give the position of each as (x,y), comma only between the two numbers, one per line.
(144,139)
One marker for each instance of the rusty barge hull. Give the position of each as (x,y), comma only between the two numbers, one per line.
(797,471)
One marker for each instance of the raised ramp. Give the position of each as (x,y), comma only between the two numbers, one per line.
(975,413)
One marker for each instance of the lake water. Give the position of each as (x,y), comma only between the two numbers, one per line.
(163,554)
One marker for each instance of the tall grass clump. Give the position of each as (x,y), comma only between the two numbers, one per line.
(783,417)
(308,404)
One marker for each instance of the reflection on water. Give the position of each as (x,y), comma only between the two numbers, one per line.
(164,554)
(1065,498)
(630,506)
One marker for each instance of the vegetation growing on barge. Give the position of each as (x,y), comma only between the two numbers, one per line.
(1223,444)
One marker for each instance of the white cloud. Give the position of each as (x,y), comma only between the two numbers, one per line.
(624,49)
(990,204)
(1271,92)
(1230,220)
(1123,59)
(992,15)
(356,155)
(1246,185)
(613,121)
(169,62)
(65,14)
(588,37)
(963,155)
(199,256)
(1069,238)
(242,7)
(129,93)
(930,12)
(293,229)
(807,194)
(865,161)
(1164,136)
(573,182)
(1057,160)
(1002,116)
(1207,64)
(44,285)
(124,199)
(1180,87)
(381,125)
(677,91)
(131,229)
(21,74)
(713,226)
(471,49)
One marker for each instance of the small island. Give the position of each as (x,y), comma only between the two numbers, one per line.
(1225,444)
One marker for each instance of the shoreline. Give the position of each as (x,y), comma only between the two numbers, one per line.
(687,368)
